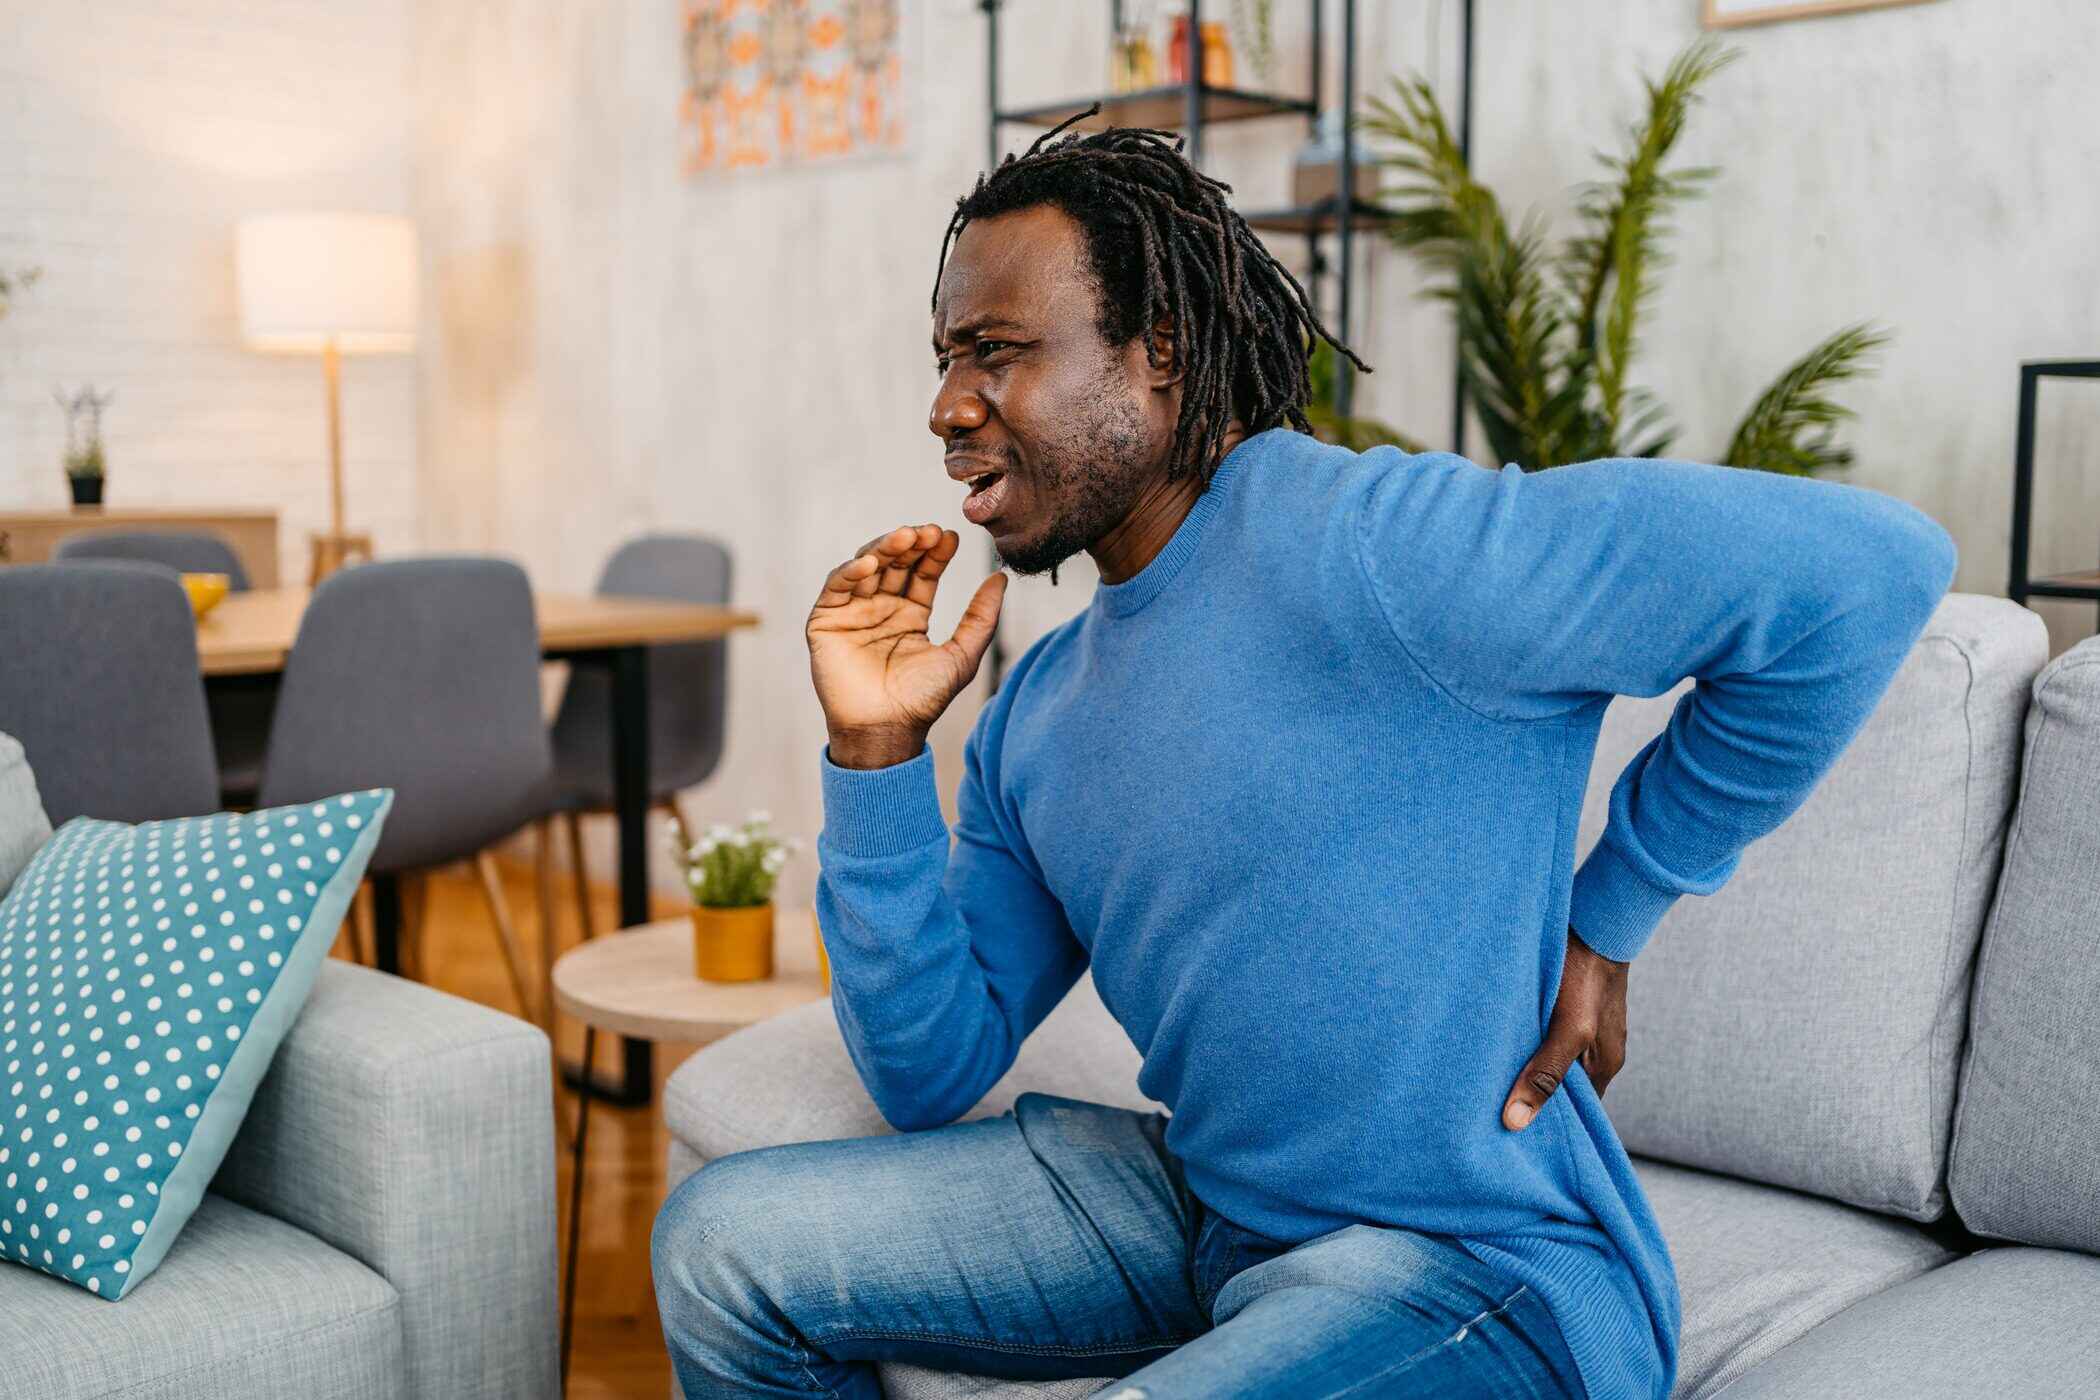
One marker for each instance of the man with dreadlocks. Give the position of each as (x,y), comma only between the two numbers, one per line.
(1299,785)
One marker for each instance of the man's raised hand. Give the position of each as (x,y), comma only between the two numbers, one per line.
(881,679)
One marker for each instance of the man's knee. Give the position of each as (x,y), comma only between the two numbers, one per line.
(713,1226)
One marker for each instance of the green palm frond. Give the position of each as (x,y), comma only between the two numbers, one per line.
(1494,278)
(1437,210)
(1547,342)
(1609,269)
(1355,433)
(1792,427)
(1509,323)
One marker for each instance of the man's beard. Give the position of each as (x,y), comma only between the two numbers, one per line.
(1096,470)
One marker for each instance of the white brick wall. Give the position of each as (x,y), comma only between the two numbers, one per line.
(133,135)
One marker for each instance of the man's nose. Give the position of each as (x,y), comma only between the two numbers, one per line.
(955,410)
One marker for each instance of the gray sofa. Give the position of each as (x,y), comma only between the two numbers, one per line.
(382,1228)
(1863,1080)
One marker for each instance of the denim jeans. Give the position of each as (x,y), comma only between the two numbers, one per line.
(1060,1240)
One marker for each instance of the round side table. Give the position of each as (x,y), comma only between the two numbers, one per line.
(640,983)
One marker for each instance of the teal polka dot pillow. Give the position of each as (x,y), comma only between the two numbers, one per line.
(147,974)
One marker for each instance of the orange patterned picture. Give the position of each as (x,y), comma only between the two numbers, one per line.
(773,83)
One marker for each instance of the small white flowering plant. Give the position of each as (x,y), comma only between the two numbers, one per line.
(732,867)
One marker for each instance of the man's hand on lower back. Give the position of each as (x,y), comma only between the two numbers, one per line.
(1588,1024)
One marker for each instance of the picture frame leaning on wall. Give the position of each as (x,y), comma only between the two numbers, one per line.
(1733,14)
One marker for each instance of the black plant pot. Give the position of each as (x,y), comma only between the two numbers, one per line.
(87,490)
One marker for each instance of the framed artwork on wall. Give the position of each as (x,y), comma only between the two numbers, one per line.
(771,84)
(1730,14)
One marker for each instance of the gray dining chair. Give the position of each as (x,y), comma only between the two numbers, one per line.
(185,551)
(688,699)
(101,686)
(421,675)
(240,706)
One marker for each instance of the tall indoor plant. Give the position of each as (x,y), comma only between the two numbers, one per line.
(1548,336)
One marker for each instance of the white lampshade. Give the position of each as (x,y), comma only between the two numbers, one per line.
(307,279)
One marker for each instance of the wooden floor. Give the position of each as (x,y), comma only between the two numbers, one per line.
(618,1348)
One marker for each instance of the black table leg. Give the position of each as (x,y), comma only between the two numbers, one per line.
(386,923)
(630,686)
(568,1287)
(631,796)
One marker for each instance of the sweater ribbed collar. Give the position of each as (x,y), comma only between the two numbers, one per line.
(1123,599)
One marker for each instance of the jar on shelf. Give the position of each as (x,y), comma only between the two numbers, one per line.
(1217,55)
(1178,44)
(1316,175)
(1136,66)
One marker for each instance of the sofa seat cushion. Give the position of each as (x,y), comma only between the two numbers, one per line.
(242,1305)
(901,1382)
(1999,1322)
(789,1079)
(1758,1266)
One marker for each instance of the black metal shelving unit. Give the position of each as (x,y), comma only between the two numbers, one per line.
(1194,105)
(2082,586)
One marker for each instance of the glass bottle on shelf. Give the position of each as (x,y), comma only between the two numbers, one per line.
(1177,43)
(1217,55)
(1139,66)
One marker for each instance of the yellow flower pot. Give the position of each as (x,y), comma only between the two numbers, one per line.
(733,944)
(816,932)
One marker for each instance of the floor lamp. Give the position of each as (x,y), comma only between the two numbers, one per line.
(331,284)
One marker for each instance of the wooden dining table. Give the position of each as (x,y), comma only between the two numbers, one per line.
(250,634)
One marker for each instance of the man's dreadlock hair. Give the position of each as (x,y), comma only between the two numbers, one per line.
(1164,243)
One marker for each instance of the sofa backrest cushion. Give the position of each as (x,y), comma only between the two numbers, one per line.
(23,825)
(2026,1162)
(1802,1025)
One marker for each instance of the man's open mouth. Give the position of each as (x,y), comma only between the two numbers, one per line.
(988,496)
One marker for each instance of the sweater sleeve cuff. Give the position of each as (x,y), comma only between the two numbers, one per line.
(881,811)
(1612,908)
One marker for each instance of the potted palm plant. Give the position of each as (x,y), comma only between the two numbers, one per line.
(1548,335)
(730,873)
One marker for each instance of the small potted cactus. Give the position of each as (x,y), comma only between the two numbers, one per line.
(730,872)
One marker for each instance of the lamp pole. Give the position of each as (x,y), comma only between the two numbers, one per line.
(332,371)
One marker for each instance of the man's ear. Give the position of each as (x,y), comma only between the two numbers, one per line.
(1165,365)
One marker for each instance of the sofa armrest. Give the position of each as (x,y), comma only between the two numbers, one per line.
(789,1079)
(414,1131)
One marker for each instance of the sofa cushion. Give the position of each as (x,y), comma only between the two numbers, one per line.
(902,1382)
(23,825)
(1801,1025)
(2026,1158)
(1758,1266)
(2000,1322)
(147,975)
(243,1305)
(789,1079)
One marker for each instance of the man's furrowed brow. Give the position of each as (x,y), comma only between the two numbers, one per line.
(970,330)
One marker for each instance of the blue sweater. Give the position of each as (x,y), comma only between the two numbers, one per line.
(1303,792)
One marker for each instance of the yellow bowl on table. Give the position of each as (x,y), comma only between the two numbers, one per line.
(205,591)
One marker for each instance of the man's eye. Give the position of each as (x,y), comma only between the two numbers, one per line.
(988,347)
